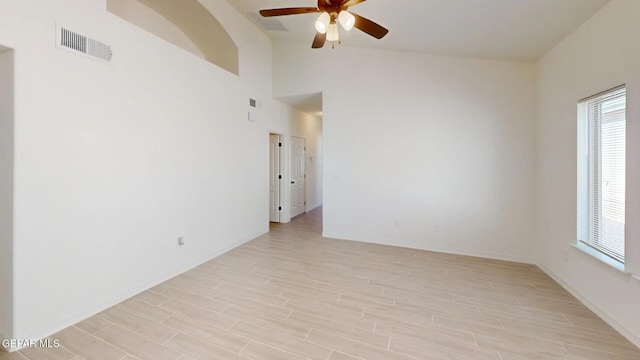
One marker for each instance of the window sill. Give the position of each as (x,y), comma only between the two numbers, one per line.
(601,257)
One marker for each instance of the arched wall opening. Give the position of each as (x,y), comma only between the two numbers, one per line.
(186,24)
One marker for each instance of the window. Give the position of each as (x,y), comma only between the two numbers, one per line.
(601,172)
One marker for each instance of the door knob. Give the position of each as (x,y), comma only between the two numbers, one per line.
(293,182)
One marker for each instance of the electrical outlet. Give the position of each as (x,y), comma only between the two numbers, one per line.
(436,228)
(180,241)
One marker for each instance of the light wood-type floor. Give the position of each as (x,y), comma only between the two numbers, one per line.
(292,294)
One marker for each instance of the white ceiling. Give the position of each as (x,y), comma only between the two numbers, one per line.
(518,30)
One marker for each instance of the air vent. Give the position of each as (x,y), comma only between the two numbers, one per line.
(271,24)
(81,44)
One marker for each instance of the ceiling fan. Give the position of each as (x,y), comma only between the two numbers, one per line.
(332,12)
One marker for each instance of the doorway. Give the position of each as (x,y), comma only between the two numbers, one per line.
(298,176)
(275,178)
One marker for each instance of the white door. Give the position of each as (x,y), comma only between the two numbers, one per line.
(298,176)
(274,178)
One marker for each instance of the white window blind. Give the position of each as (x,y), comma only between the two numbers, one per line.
(601,172)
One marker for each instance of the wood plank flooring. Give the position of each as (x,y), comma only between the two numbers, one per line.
(292,294)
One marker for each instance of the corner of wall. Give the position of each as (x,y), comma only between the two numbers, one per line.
(634,338)
(595,57)
(6,192)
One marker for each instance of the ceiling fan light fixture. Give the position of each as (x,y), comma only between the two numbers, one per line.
(322,24)
(347,20)
(332,33)
(331,12)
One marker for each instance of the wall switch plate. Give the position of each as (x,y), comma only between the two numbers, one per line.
(181,241)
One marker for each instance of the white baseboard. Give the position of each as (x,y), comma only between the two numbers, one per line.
(481,254)
(95,309)
(635,339)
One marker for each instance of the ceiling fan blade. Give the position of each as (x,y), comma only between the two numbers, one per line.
(288,11)
(370,27)
(352,3)
(319,41)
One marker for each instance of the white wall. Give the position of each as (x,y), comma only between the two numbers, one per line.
(6,193)
(412,141)
(115,162)
(603,53)
(98,4)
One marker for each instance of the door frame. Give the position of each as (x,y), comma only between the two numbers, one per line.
(280,168)
(304,162)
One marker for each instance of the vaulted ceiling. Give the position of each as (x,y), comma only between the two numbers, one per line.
(520,30)
(514,30)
